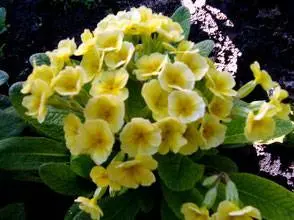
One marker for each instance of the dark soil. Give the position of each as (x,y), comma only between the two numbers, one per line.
(263,31)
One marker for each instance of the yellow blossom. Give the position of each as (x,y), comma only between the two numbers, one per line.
(195,62)
(111,82)
(92,64)
(133,173)
(172,131)
(221,83)
(220,108)
(43,72)
(194,140)
(229,211)
(140,137)
(35,103)
(261,129)
(176,76)
(100,177)
(88,42)
(97,139)
(90,206)
(120,57)
(262,77)
(71,128)
(192,212)
(56,62)
(185,46)
(170,31)
(109,40)
(61,55)
(279,94)
(285,110)
(107,107)
(187,106)
(69,81)
(150,65)
(155,98)
(212,132)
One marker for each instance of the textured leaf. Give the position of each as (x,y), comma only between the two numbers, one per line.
(178,172)
(273,201)
(176,199)
(60,178)
(2,20)
(183,17)
(205,47)
(39,59)
(123,207)
(219,163)
(166,213)
(52,126)
(4,102)
(28,153)
(82,165)
(13,212)
(3,77)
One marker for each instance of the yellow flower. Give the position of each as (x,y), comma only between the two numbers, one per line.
(92,64)
(111,82)
(172,132)
(120,57)
(195,62)
(261,77)
(71,128)
(155,98)
(176,76)
(279,94)
(44,73)
(192,135)
(221,83)
(170,31)
(65,49)
(150,65)
(212,132)
(185,46)
(192,212)
(100,177)
(109,40)
(107,107)
(90,206)
(261,129)
(36,102)
(220,108)
(133,173)
(88,43)
(186,105)
(285,110)
(140,137)
(69,81)
(97,139)
(56,62)
(229,211)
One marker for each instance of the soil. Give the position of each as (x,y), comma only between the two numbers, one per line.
(262,31)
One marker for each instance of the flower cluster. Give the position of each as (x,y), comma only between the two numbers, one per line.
(188,99)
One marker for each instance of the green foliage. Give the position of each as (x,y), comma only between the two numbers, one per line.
(13,212)
(28,153)
(2,20)
(3,77)
(183,17)
(81,165)
(205,47)
(52,126)
(60,178)
(219,163)
(178,172)
(39,59)
(166,213)
(273,201)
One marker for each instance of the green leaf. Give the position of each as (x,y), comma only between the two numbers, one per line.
(39,59)
(52,126)
(283,127)
(274,201)
(183,17)
(60,178)
(205,47)
(166,213)
(210,197)
(13,212)
(28,153)
(178,172)
(81,165)
(2,20)
(123,207)
(219,163)
(3,77)
(4,102)
(175,200)
(10,123)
